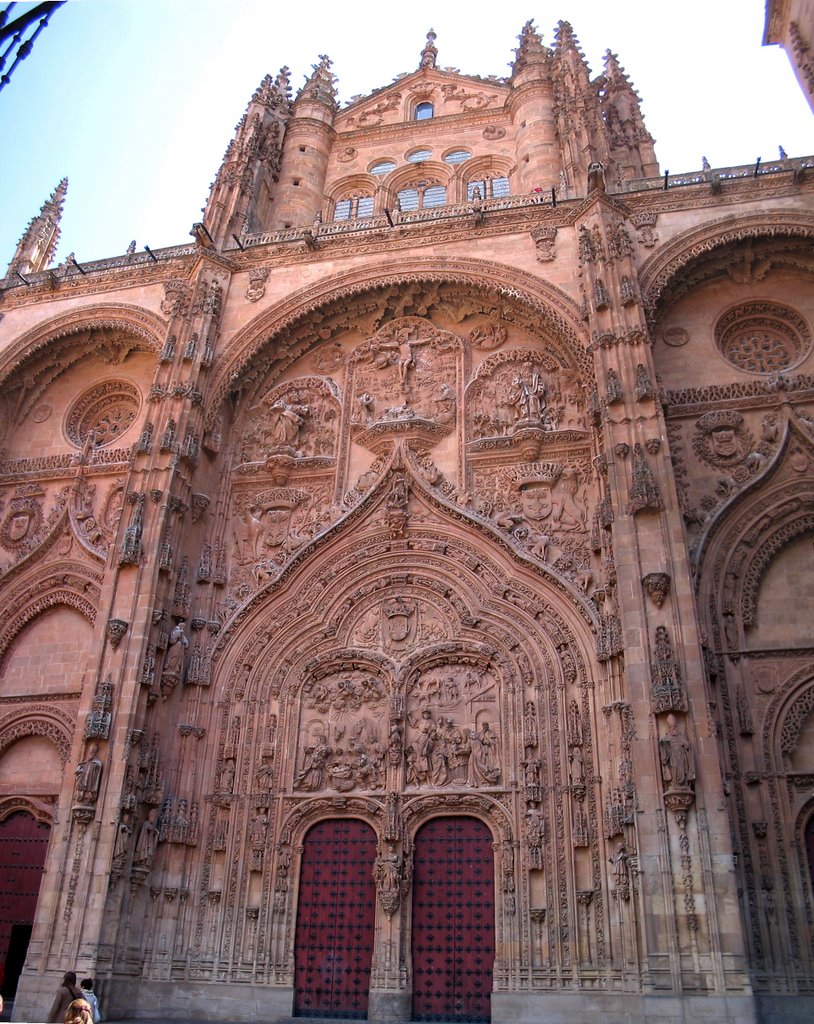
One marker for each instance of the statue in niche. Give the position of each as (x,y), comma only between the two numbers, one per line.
(574,724)
(676,756)
(621,870)
(258,829)
(227,776)
(89,776)
(147,841)
(535,836)
(484,762)
(387,876)
(577,767)
(172,672)
(387,870)
(531,779)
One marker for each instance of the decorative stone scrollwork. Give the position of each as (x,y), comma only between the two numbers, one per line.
(657,587)
(668,690)
(644,491)
(97,724)
(115,630)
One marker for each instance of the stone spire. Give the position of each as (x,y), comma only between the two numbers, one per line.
(430,52)
(251,163)
(36,248)
(631,143)
(321,86)
(580,125)
(530,50)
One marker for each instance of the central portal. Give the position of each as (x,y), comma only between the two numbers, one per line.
(453,933)
(335,920)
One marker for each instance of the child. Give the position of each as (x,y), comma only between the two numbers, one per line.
(86,984)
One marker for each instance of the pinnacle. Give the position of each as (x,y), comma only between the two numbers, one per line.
(430,51)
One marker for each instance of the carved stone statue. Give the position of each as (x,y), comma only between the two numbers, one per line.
(173,671)
(89,776)
(484,763)
(676,756)
(147,842)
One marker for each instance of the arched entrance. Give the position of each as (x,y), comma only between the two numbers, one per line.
(335,920)
(23,845)
(453,928)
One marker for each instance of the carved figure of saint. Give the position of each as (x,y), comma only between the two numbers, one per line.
(676,755)
(286,421)
(387,870)
(619,866)
(89,776)
(528,396)
(258,830)
(311,776)
(147,842)
(577,767)
(484,762)
(176,650)
(227,776)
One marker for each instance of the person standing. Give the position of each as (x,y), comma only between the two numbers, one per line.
(86,984)
(66,994)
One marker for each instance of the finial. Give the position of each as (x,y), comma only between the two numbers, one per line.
(322,83)
(430,51)
(783,154)
(531,49)
(705,164)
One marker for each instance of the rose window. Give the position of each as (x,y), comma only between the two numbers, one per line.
(762,337)
(107,411)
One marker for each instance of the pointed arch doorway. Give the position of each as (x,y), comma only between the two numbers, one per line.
(453,920)
(335,920)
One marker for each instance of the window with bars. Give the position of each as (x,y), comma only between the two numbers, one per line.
(354,208)
(422,197)
(488,188)
(419,155)
(457,156)
(383,167)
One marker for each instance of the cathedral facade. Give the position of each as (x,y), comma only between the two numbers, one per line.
(406,581)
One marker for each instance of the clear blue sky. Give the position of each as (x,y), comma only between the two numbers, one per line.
(136,100)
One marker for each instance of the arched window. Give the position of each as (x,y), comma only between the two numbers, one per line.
(354,208)
(383,167)
(421,196)
(488,188)
(423,111)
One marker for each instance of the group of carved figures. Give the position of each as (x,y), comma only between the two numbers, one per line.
(527,397)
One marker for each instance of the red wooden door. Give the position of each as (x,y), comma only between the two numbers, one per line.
(335,920)
(23,845)
(453,927)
